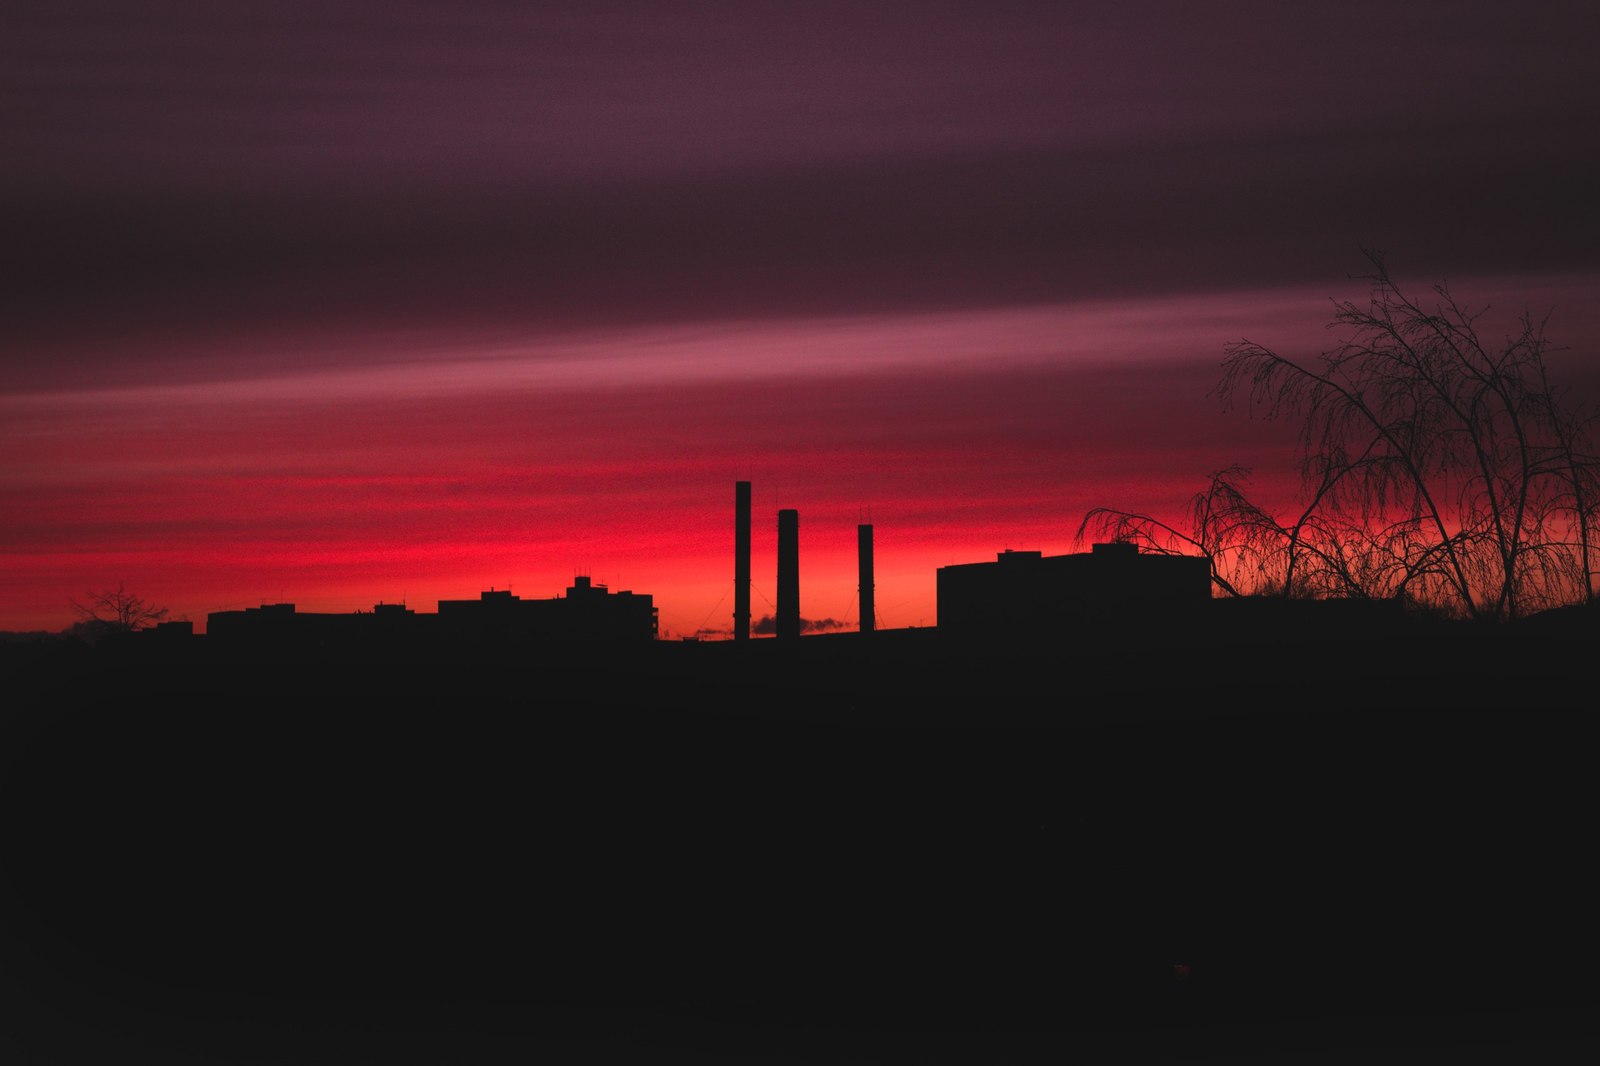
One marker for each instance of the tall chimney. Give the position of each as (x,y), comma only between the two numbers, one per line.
(741,560)
(864,563)
(788,573)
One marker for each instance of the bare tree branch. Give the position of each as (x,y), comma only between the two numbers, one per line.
(116,611)
(1436,467)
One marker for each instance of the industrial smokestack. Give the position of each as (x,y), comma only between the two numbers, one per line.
(788,573)
(741,560)
(864,563)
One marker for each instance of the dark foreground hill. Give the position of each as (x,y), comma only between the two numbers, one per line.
(1115,845)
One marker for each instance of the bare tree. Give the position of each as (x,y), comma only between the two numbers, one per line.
(1437,467)
(115,610)
(1225,528)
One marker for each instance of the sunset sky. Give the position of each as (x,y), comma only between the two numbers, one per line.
(340,303)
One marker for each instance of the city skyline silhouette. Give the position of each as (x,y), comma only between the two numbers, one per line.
(968,272)
(1156,834)
(1060,681)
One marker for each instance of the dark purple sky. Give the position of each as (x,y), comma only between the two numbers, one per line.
(208,192)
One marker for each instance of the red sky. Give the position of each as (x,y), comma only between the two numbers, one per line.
(341,303)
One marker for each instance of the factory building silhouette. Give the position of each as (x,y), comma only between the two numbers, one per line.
(1028,591)
(1019,592)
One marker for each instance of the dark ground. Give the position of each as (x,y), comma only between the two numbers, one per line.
(907,851)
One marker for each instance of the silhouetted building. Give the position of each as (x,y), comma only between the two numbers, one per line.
(279,627)
(587,613)
(269,622)
(595,612)
(164,639)
(788,573)
(1023,591)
